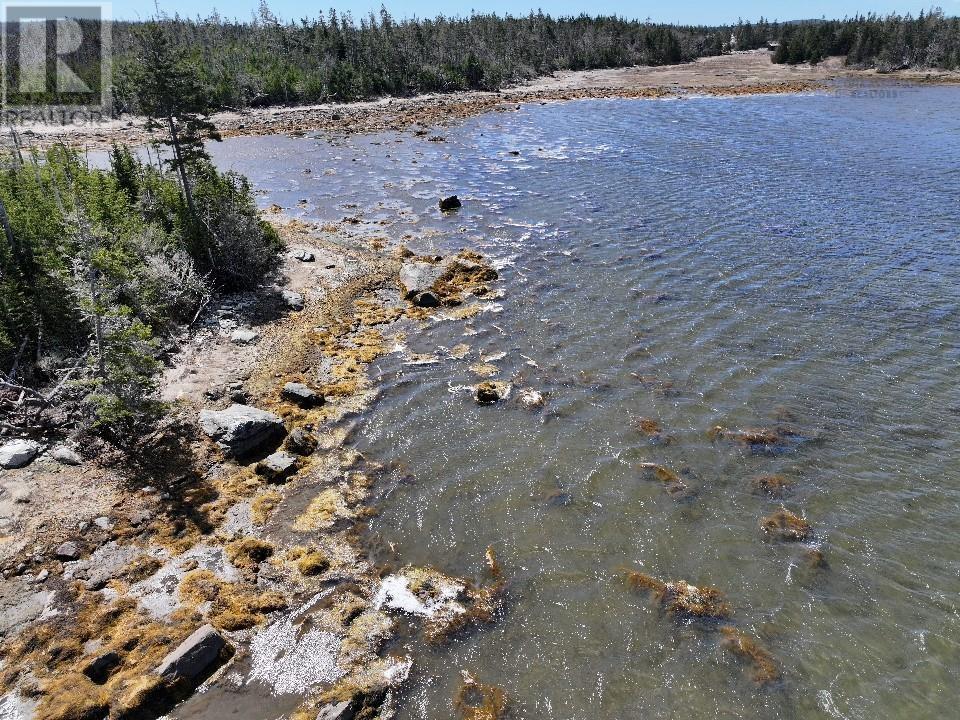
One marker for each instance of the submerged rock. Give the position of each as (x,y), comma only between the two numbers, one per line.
(774,486)
(488,393)
(450,203)
(764,668)
(681,600)
(18,453)
(241,429)
(477,701)
(530,399)
(784,525)
(301,395)
(194,657)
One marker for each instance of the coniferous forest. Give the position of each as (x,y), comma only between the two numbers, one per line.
(337,57)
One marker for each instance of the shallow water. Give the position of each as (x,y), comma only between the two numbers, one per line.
(700,262)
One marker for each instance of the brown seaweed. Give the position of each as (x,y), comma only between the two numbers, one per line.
(785,525)
(681,600)
(774,486)
(477,701)
(764,668)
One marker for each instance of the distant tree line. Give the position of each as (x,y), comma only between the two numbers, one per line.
(930,40)
(334,57)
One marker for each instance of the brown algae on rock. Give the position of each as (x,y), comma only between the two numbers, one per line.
(764,668)
(477,701)
(447,605)
(775,486)
(681,600)
(785,525)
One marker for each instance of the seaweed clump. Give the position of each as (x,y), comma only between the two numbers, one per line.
(774,486)
(785,525)
(681,600)
(477,701)
(764,668)
(673,483)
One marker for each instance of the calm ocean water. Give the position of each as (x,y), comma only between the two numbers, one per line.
(699,262)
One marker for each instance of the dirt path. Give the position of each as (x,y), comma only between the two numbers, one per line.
(748,73)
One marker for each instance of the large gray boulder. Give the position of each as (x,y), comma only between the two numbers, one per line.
(191,660)
(241,429)
(18,453)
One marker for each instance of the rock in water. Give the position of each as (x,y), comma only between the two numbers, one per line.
(193,657)
(450,203)
(278,466)
(419,277)
(486,393)
(18,453)
(301,395)
(530,399)
(293,300)
(64,455)
(241,429)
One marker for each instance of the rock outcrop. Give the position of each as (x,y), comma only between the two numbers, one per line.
(241,429)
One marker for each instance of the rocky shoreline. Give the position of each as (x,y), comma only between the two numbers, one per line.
(235,551)
(738,74)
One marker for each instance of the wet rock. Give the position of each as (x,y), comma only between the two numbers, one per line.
(490,392)
(774,486)
(301,395)
(278,467)
(336,711)
(293,300)
(18,453)
(243,336)
(418,277)
(68,551)
(241,429)
(764,668)
(476,701)
(65,455)
(194,657)
(99,668)
(785,525)
(304,256)
(450,203)
(530,399)
(681,600)
(301,442)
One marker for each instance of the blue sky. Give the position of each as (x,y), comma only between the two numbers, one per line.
(683,11)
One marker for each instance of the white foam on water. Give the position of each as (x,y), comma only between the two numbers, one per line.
(289,660)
